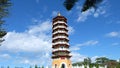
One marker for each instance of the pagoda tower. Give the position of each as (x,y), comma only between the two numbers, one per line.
(60,53)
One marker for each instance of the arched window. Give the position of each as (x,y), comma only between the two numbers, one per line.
(55,65)
(63,66)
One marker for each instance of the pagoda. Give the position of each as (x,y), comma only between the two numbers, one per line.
(60,53)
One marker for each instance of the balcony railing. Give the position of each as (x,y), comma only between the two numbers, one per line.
(60,32)
(58,49)
(60,43)
(60,37)
(61,55)
(59,22)
(59,27)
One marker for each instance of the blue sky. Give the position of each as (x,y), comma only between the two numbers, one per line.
(28,42)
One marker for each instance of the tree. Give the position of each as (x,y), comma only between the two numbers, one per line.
(36,66)
(118,65)
(42,66)
(68,4)
(8,67)
(112,64)
(102,60)
(87,60)
(90,3)
(30,66)
(4,4)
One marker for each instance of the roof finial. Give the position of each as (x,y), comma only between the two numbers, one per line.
(59,14)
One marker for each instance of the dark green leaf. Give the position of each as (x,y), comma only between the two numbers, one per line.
(89,4)
(68,4)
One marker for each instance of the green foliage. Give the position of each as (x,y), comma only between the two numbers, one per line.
(4,5)
(8,67)
(30,66)
(2,33)
(42,66)
(118,65)
(90,3)
(102,60)
(77,63)
(68,4)
(87,61)
(36,66)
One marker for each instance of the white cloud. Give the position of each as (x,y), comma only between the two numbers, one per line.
(25,61)
(5,56)
(71,30)
(91,42)
(113,34)
(115,44)
(35,20)
(54,13)
(118,22)
(93,59)
(74,48)
(43,61)
(37,1)
(84,15)
(36,40)
(101,10)
(77,57)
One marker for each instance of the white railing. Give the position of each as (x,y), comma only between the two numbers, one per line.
(87,66)
(60,27)
(59,31)
(61,49)
(59,42)
(60,37)
(59,22)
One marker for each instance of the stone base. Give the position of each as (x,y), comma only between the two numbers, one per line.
(61,63)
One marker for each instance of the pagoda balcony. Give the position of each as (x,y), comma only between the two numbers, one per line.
(60,31)
(60,37)
(59,22)
(59,18)
(59,34)
(60,43)
(57,56)
(61,49)
(59,27)
(56,46)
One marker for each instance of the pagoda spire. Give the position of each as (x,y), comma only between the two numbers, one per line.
(59,14)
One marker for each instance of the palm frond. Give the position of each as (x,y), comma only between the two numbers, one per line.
(68,4)
(89,4)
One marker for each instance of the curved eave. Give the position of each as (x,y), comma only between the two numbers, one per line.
(57,39)
(59,24)
(58,45)
(60,29)
(59,34)
(61,51)
(67,56)
(59,18)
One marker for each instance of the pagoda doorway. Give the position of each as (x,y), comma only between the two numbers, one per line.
(63,66)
